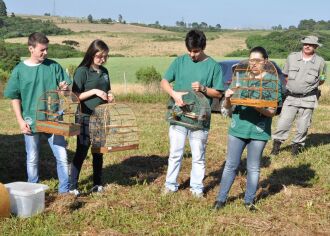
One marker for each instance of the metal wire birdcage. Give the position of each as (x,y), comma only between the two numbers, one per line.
(57,113)
(195,114)
(255,83)
(113,127)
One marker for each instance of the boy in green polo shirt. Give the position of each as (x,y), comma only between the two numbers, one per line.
(198,72)
(28,81)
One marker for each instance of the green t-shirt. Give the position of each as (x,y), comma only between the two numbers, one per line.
(246,121)
(183,71)
(29,82)
(86,79)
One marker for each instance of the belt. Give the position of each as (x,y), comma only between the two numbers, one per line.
(301,95)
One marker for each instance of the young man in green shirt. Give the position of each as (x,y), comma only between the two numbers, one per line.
(198,72)
(28,81)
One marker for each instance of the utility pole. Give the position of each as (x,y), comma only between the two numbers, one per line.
(54,8)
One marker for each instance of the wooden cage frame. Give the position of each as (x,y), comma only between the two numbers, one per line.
(55,122)
(243,69)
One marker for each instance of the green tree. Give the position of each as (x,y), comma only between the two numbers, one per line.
(3,8)
(90,18)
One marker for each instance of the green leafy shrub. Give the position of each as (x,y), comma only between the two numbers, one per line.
(71,43)
(149,76)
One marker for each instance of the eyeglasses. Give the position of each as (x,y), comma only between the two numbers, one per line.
(104,57)
(256,61)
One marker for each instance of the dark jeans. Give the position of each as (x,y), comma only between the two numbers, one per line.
(83,144)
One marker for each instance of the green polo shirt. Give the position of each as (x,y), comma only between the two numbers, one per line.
(85,79)
(183,72)
(28,82)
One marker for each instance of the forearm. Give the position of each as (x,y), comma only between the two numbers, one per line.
(210,92)
(84,95)
(227,103)
(269,112)
(16,104)
(165,85)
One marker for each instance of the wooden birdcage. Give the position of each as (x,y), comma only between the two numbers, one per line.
(113,127)
(255,83)
(57,113)
(195,114)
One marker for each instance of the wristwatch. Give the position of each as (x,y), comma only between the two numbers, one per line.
(204,89)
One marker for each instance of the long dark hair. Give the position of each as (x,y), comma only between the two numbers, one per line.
(96,46)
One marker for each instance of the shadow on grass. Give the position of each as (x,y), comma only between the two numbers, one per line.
(13,159)
(133,170)
(298,176)
(313,140)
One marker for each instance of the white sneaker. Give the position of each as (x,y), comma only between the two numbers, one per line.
(197,194)
(167,191)
(75,192)
(97,189)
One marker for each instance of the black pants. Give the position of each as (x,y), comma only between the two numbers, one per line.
(83,144)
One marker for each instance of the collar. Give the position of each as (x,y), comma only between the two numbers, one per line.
(300,57)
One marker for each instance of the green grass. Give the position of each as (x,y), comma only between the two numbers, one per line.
(293,198)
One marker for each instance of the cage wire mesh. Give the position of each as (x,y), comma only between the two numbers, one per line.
(255,83)
(113,127)
(195,114)
(57,113)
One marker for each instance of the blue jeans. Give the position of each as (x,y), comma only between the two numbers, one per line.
(236,147)
(58,145)
(197,141)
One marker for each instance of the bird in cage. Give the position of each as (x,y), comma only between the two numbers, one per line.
(113,127)
(57,113)
(195,114)
(255,83)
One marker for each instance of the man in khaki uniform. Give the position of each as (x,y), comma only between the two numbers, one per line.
(305,71)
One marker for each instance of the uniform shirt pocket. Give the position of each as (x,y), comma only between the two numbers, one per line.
(312,76)
(293,71)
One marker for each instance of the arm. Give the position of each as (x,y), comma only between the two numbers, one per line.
(210,92)
(177,96)
(84,95)
(269,112)
(227,103)
(24,127)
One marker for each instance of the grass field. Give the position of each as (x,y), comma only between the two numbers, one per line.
(293,198)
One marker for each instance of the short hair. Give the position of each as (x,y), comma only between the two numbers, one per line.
(37,37)
(260,50)
(195,39)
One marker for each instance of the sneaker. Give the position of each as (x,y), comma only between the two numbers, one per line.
(250,206)
(218,205)
(167,191)
(97,189)
(197,194)
(75,192)
(276,147)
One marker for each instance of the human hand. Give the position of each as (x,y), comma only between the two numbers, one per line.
(63,85)
(229,93)
(111,97)
(196,86)
(101,94)
(24,127)
(177,96)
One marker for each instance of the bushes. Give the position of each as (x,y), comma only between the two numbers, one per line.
(281,44)
(149,76)
(23,27)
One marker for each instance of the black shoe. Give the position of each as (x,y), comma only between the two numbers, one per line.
(276,147)
(296,148)
(250,206)
(218,205)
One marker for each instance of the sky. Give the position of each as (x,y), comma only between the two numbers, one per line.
(256,14)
